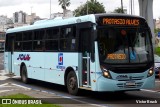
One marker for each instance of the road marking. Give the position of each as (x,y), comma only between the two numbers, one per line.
(3,77)
(4,84)
(2,91)
(150,91)
(157,81)
(21,86)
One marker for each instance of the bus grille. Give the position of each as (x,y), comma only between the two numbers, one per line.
(123,85)
(133,78)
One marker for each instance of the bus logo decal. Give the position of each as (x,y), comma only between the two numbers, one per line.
(60,62)
(60,59)
(25,57)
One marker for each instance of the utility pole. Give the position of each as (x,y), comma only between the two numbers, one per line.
(50,9)
(131,7)
(122,6)
(31,9)
(87,7)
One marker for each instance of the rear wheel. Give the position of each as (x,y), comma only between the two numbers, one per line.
(72,84)
(24,76)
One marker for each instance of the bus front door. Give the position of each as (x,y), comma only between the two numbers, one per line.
(84,45)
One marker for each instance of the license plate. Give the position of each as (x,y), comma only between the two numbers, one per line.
(130,83)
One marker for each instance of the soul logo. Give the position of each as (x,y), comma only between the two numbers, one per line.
(25,57)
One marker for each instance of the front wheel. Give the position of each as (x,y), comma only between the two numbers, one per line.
(24,76)
(72,84)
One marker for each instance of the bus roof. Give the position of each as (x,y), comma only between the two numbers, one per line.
(53,22)
(59,22)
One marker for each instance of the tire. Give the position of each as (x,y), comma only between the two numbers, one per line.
(24,76)
(72,84)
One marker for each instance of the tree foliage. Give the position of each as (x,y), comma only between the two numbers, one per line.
(93,8)
(156,30)
(64,3)
(118,10)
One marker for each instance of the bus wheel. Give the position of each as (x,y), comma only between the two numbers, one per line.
(24,76)
(72,84)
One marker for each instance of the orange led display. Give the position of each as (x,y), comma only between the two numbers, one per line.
(113,21)
(116,56)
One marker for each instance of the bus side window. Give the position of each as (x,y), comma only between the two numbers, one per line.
(68,39)
(27,41)
(38,40)
(51,40)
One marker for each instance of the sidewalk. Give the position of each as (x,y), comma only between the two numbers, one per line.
(3,75)
(11,88)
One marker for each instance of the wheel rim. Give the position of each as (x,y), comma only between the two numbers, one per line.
(72,83)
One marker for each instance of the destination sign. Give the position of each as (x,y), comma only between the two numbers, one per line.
(120,21)
(116,56)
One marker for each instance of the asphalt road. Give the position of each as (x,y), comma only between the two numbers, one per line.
(100,99)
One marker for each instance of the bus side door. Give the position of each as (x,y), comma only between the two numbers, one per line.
(86,66)
(10,55)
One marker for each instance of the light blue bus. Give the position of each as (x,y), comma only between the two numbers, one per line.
(98,52)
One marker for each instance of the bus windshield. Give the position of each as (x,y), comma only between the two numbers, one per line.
(119,45)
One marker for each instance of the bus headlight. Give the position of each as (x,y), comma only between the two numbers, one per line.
(106,73)
(150,72)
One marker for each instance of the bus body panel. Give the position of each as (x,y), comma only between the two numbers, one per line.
(7,62)
(46,66)
(56,65)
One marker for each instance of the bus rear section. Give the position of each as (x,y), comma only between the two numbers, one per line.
(124,54)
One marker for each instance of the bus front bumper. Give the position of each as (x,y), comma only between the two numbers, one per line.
(104,84)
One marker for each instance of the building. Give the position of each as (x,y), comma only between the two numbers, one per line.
(68,14)
(157,23)
(19,17)
(54,15)
(32,18)
(5,22)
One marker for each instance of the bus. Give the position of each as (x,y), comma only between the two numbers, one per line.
(97,52)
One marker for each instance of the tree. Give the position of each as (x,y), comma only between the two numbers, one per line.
(64,4)
(93,8)
(156,31)
(118,10)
